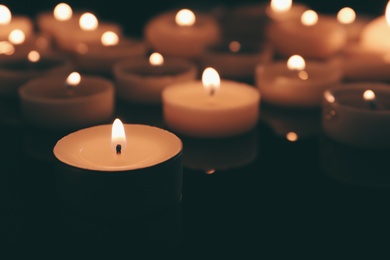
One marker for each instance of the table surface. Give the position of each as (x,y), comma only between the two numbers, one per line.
(256,195)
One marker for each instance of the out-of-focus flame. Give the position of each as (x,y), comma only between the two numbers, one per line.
(185,17)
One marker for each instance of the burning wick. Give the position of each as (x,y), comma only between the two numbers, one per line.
(211,81)
(118,149)
(369,96)
(72,81)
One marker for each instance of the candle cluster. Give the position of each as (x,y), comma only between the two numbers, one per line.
(209,76)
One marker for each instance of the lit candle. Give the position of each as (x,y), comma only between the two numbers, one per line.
(352,23)
(67,103)
(211,108)
(15,71)
(116,170)
(141,80)
(182,34)
(358,114)
(9,23)
(282,10)
(234,60)
(312,36)
(297,83)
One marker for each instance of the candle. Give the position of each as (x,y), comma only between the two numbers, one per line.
(210,108)
(182,34)
(142,80)
(358,114)
(99,58)
(9,22)
(352,23)
(283,10)
(122,170)
(234,60)
(297,83)
(312,36)
(21,46)
(15,71)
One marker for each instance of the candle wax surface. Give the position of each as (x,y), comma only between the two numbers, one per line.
(91,148)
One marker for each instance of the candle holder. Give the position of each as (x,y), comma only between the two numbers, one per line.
(352,117)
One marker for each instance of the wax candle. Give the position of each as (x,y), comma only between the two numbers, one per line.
(9,22)
(297,83)
(283,10)
(352,23)
(142,80)
(312,36)
(99,58)
(181,33)
(358,114)
(210,108)
(122,170)
(234,60)
(69,102)
(15,71)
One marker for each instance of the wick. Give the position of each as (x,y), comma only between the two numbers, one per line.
(118,149)
(212,92)
(69,89)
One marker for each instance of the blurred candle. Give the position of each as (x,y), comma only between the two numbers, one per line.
(9,23)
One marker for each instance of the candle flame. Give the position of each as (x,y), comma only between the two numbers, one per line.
(118,135)
(296,62)
(5,15)
(16,36)
(185,17)
(62,12)
(73,79)
(346,15)
(309,18)
(329,97)
(291,136)
(109,38)
(281,5)
(234,46)
(156,59)
(6,48)
(33,56)
(388,13)
(369,95)
(88,22)
(211,81)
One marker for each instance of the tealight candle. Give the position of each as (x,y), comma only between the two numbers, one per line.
(297,83)
(234,60)
(123,170)
(182,34)
(142,80)
(312,36)
(9,23)
(358,114)
(352,23)
(211,108)
(15,71)
(67,102)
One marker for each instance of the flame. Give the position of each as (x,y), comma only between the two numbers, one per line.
(5,15)
(234,46)
(329,97)
(281,5)
(16,36)
(346,15)
(33,56)
(109,38)
(296,62)
(369,95)
(156,59)
(309,18)
(6,48)
(185,17)
(211,81)
(88,22)
(73,79)
(291,136)
(118,135)
(62,12)
(388,13)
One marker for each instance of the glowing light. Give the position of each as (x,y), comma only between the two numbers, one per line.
(346,15)
(281,5)
(5,15)
(234,46)
(156,59)
(369,95)
(329,97)
(211,81)
(6,48)
(88,22)
(291,136)
(16,36)
(62,12)
(185,17)
(118,136)
(309,18)
(296,62)
(33,56)
(109,38)
(73,79)
(388,13)
(210,171)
